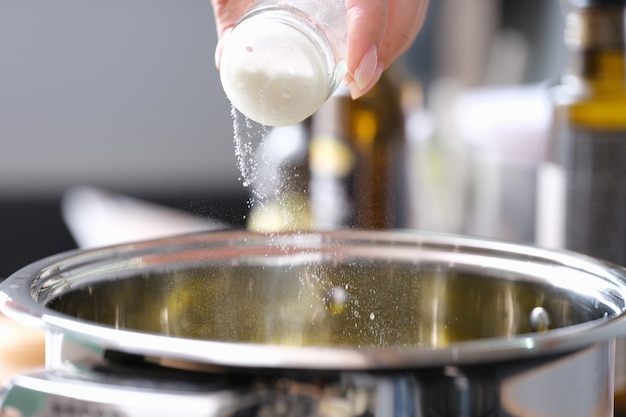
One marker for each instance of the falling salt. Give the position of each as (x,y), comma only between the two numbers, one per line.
(247,135)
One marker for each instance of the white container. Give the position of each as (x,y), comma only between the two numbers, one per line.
(282,61)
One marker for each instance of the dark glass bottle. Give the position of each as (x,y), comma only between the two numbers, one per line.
(588,153)
(590,136)
(356,159)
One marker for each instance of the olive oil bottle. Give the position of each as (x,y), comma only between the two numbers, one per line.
(588,152)
(356,159)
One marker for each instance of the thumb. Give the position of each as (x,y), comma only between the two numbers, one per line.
(367,23)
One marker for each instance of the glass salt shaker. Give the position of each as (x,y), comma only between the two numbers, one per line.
(283,60)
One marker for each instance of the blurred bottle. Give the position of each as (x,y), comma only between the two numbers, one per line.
(357,159)
(583,200)
(354,171)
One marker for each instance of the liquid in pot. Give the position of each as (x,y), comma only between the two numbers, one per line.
(361,304)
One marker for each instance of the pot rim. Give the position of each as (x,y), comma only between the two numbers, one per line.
(19,292)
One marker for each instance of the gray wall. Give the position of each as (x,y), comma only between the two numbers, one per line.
(115,93)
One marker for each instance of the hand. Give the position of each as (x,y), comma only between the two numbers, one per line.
(379,31)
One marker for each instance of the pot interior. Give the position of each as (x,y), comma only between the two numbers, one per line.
(339,298)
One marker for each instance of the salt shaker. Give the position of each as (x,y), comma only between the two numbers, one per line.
(284,59)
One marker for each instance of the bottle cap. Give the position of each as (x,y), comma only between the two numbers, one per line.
(273,72)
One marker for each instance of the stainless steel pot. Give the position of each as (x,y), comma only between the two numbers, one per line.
(348,323)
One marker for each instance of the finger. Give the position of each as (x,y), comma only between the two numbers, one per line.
(367,23)
(227,14)
(406,18)
(220,47)
(403,20)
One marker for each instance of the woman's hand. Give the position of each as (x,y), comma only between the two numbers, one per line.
(379,31)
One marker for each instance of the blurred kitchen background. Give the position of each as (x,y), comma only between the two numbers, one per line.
(123,95)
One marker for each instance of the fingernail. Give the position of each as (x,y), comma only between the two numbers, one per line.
(356,91)
(367,68)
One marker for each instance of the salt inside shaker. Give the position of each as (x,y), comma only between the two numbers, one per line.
(281,61)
